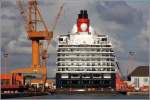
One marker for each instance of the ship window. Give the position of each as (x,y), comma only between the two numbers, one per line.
(60,39)
(107,50)
(59,69)
(75,75)
(104,39)
(104,69)
(77,54)
(66,69)
(66,64)
(93,69)
(96,75)
(111,50)
(107,45)
(107,59)
(63,69)
(72,64)
(112,69)
(58,64)
(108,64)
(112,59)
(98,41)
(88,69)
(93,64)
(98,50)
(108,69)
(112,64)
(58,59)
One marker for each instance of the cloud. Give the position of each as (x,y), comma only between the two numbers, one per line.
(8,4)
(10,22)
(119,12)
(116,44)
(118,17)
(143,37)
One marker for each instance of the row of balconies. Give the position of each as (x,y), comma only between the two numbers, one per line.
(94,45)
(85,59)
(85,50)
(85,69)
(86,55)
(69,76)
(86,64)
(98,65)
(85,47)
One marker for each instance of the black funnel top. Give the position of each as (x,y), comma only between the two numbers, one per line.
(83,14)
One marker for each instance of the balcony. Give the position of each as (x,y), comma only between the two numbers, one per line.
(102,44)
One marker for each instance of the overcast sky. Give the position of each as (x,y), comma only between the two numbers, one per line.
(125,22)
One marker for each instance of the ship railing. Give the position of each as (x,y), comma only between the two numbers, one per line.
(87,47)
(85,56)
(84,52)
(93,45)
(85,61)
(86,72)
(83,66)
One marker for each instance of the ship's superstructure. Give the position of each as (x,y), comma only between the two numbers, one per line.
(85,59)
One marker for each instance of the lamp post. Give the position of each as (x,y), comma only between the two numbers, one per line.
(5,61)
(130,62)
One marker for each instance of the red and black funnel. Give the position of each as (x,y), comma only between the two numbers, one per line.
(83,21)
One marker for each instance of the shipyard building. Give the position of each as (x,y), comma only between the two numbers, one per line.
(85,59)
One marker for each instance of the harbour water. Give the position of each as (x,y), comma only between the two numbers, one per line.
(85,96)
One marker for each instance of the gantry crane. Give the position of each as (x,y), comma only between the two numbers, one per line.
(36,32)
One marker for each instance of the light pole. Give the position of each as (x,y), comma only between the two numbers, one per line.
(130,62)
(5,61)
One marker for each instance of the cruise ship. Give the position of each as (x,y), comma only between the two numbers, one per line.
(85,59)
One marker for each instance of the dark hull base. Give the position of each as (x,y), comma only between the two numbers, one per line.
(85,91)
(82,83)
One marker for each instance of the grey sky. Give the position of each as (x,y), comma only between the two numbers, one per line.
(125,22)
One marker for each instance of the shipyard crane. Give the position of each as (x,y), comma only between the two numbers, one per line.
(37,31)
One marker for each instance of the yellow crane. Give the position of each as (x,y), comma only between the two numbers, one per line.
(33,23)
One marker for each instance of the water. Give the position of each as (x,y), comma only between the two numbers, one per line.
(85,96)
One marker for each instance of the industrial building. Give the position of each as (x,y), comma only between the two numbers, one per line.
(139,77)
